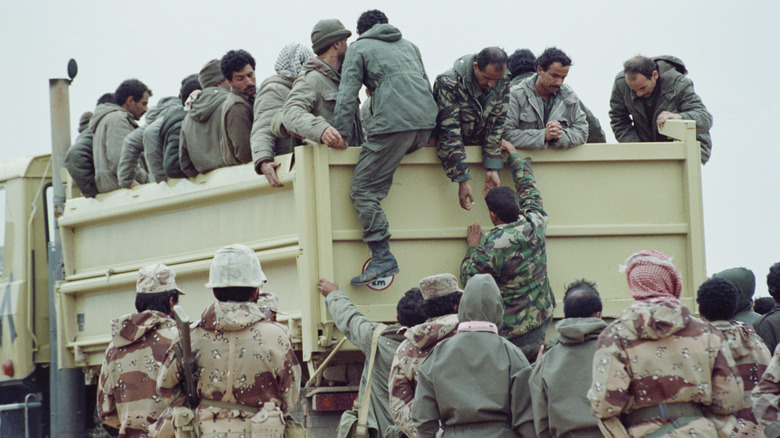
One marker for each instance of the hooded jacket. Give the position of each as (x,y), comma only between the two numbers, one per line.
(170,132)
(269,99)
(235,128)
(242,358)
(145,140)
(475,383)
(660,353)
(81,165)
(126,398)
(199,150)
(110,124)
(745,282)
(632,124)
(419,342)
(560,381)
(392,69)
(468,116)
(525,124)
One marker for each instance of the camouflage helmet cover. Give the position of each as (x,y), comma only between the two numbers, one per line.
(235,266)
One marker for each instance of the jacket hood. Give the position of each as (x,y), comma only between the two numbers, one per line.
(162,105)
(481,301)
(463,67)
(101,111)
(277,79)
(745,282)
(318,65)
(654,320)
(132,327)
(208,102)
(432,331)
(230,316)
(382,32)
(668,63)
(737,336)
(578,330)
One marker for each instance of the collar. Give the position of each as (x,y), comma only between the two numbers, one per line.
(477,326)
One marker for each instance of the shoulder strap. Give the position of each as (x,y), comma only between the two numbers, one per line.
(362,425)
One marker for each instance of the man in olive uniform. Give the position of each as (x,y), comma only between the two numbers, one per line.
(402,116)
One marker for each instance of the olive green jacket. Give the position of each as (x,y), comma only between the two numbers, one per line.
(235,128)
(268,101)
(199,150)
(109,125)
(632,124)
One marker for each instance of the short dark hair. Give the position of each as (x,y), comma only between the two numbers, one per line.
(130,88)
(502,201)
(773,281)
(442,305)
(717,299)
(158,301)
(581,299)
(239,294)
(639,65)
(368,19)
(522,61)
(550,55)
(763,305)
(491,55)
(410,308)
(234,61)
(106,98)
(188,85)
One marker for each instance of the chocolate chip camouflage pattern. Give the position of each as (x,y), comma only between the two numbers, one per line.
(659,353)
(515,255)
(766,398)
(127,399)
(410,355)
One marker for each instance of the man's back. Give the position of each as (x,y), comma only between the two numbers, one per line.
(109,125)
(199,150)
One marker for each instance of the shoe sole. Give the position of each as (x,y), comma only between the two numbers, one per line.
(381,275)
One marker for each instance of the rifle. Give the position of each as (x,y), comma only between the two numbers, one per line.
(184,352)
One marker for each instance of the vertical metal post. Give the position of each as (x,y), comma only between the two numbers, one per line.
(66,399)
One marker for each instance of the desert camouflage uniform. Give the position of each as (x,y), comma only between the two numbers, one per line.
(766,398)
(241,359)
(419,342)
(127,399)
(468,116)
(515,255)
(660,353)
(751,357)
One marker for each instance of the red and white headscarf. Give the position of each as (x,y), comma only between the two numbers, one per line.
(652,276)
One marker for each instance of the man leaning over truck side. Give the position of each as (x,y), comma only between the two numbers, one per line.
(515,254)
(473,98)
(249,376)
(126,396)
(359,330)
(403,113)
(238,67)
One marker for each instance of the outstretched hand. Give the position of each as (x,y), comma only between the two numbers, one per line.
(325,287)
(464,195)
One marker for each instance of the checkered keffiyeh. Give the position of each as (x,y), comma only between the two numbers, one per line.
(651,275)
(291,59)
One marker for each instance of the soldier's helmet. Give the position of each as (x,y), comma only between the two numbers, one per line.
(155,279)
(235,266)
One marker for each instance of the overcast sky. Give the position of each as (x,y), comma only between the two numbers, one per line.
(730,48)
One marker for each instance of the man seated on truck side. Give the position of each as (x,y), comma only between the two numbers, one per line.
(248,375)
(78,158)
(650,91)
(473,98)
(170,129)
(238,67)
(126,396)
(514,253)
(359,330)
(110,124)
(308,110)
(542,112)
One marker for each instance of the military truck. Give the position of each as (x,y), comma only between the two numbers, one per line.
(605,201)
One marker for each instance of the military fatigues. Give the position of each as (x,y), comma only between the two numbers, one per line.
(242,359)
(751,358)
(515,255)
(657,354)
(419,342)
(631,120)
(766,398)
(127,399)
(235,129)
(561,379)
(468,116)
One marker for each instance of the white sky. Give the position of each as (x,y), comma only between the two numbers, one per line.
(729,47)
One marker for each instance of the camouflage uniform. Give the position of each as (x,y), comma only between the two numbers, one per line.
(468,116)
(410,355)
(515,255)
(127,399)
(241,359)
(657,354)
(751,357)
(766,398)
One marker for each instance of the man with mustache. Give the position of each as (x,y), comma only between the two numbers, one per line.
(238,67)
(542,113)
